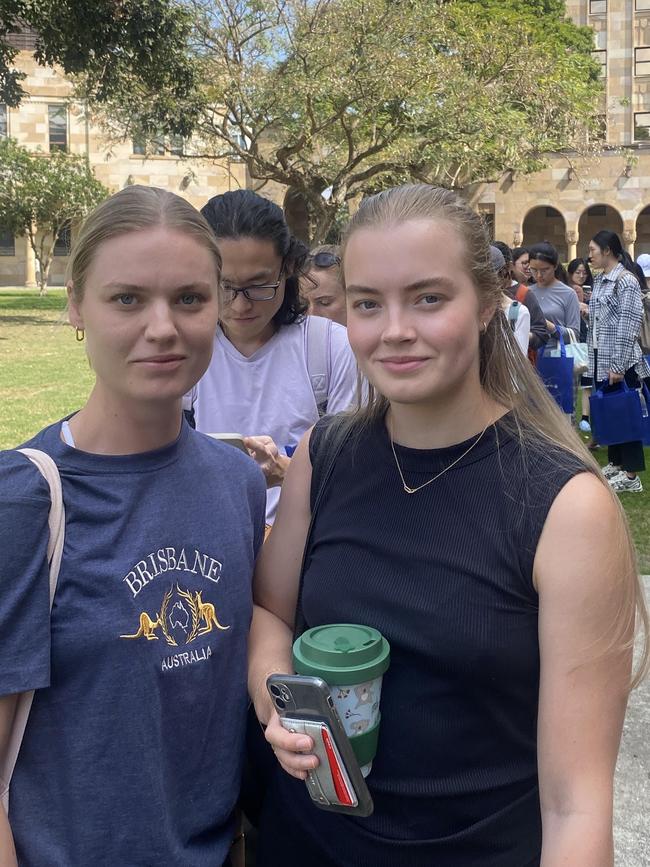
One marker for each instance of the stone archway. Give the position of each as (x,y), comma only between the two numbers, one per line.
(643,232)
(545,223)
(297,214)
(592,220)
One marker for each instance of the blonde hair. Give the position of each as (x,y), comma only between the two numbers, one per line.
(133,209)
(506,375)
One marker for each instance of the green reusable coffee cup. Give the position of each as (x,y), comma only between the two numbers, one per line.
(352,660)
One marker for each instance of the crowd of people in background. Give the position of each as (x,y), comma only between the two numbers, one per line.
(403,466)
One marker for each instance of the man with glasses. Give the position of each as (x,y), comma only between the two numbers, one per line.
(273,369)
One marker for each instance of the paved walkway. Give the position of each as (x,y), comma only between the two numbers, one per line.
(632,804)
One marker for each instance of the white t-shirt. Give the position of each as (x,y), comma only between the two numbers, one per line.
(271,392)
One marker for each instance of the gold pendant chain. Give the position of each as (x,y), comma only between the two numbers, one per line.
(410,490)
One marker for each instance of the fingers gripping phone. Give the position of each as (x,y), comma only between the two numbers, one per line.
(305,706)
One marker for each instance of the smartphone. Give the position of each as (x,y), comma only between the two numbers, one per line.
(233,439)
(304,705)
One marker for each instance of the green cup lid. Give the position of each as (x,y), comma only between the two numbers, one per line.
(341,653)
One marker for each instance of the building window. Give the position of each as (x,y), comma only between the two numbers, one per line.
(642,5)
(597,7)
(642,61)
(63,241)
(7,243)
(176,145)
(642,126)
(160,146)
(597,211)
(601,58)
(3,121)
(58,127)
(24,39)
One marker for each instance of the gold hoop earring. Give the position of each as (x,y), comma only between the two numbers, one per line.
(485,325)
(79,334)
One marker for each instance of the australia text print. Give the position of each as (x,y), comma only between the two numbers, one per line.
(180,616)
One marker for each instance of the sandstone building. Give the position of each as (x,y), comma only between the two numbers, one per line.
(566,203)
(572,199)
(45,120)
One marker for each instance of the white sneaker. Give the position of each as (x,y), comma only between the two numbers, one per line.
(610,471)
(624,484)
(584,426)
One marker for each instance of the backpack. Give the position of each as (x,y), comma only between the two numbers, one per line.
(318,349)
(513,314)
(521,293)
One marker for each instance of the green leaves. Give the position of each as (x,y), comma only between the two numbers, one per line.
(41,193)
(47,190)
(112,48)
(353,95)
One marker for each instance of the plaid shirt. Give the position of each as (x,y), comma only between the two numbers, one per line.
(615,316)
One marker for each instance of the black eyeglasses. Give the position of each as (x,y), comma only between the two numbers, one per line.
(265,292)
(325,260)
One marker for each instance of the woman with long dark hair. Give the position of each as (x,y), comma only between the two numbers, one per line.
(580,278)
(558,301)
(273,368)
(615,316)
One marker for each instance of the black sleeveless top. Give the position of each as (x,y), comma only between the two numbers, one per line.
(446,575)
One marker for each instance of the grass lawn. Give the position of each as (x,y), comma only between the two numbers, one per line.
(44,375)
(44,372)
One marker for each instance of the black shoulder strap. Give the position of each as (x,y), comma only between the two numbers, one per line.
(323,458)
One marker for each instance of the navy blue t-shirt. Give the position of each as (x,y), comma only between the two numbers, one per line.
(133,749)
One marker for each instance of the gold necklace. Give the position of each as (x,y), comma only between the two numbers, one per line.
(410,490)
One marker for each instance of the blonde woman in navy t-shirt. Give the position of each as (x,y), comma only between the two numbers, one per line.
(133,748)
(466,522)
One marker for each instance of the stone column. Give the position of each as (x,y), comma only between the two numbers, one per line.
(629,239)
(30,265)
(572,244)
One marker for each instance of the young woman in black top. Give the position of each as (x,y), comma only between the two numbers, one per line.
(465,521)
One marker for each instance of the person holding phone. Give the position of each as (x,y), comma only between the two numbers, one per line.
(558,301)
(449,508)
(133,748)
(273,369)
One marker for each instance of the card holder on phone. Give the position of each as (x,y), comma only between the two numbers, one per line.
(329,783)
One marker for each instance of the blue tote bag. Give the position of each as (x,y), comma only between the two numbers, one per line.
(557,373)
(616,414)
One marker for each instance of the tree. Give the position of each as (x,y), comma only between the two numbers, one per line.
(108,46)
(337,98)
(42,194)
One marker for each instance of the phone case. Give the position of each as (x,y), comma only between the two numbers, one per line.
(232,439)
(304,704)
